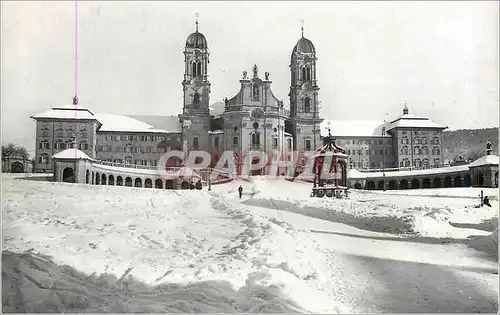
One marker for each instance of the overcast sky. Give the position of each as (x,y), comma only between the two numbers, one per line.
(373,57)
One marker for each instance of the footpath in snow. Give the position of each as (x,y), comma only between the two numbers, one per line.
(77,248)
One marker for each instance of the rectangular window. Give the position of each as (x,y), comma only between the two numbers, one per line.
(289,144)
(195,142)
(255,140)
(235,141)
(275,143)
(307,145)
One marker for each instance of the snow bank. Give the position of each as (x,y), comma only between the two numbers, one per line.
(46,287)
(123,249)
(413,214)
(487,244)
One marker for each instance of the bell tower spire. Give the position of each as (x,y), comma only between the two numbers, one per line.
(195,115)
(196,16)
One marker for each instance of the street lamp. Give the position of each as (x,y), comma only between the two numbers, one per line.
(383,156)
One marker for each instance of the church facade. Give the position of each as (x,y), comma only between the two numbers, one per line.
(252,120)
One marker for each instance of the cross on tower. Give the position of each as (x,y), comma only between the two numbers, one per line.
(302,26)
(196,17)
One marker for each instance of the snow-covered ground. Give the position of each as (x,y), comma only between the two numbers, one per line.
(71,247)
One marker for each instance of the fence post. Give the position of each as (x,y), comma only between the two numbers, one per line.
(481,204)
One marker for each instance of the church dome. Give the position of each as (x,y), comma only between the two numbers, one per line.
(196,40)
(304,46)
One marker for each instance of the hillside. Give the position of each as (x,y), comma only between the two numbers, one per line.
(469,143)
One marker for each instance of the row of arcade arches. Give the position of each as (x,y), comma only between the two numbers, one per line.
(416,183)
(98,178)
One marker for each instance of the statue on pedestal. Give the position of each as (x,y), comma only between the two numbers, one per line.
(244,75)
(266,75)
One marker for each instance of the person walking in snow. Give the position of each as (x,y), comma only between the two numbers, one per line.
(240,191)
(486,201)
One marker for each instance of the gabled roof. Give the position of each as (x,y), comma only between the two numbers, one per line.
(485,160)
(72,153)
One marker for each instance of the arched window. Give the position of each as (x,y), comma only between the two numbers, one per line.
(404,140)
(423,140)
(83,145)
(58,145)
(68,144)
(128,160)
(128,148)
(437,162)
(416,150)
(255,138)
(198,68)
(307,144)
(44,158)
(307,105)
(425,151)
(83,133)
(404,150)
(58,132)
(425,162)
(45,132)
(44,144)
(195,143)
(406,162)
(435,140)
(416,140)
(306,73)
(417,162)
(194,69)
(196,100)
(436,151)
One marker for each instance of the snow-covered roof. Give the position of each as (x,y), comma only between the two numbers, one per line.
(67,112)
(71,153)
(353,128)
(287,134)
(485,160)
(414,121)
(131,171)
(355,174)
(169,123)
(215,132)
(139,123)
